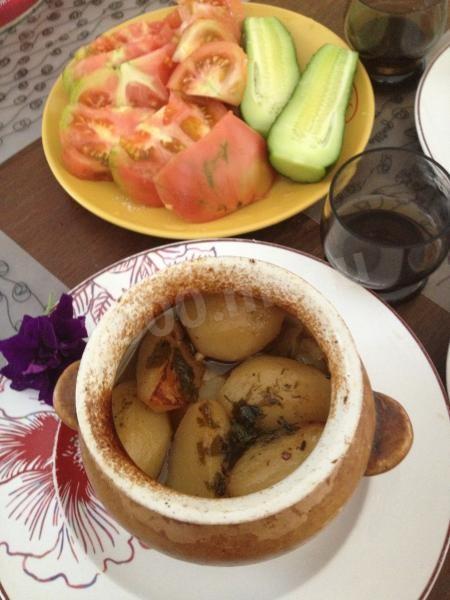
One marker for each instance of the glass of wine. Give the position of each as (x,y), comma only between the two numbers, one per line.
(393,36)
(386,221)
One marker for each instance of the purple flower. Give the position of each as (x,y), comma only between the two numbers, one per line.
(43,348)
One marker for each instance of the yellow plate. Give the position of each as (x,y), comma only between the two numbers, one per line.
(285,198)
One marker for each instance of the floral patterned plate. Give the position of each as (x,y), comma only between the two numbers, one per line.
(57,540)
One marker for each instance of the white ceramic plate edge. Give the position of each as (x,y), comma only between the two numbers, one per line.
(418,116)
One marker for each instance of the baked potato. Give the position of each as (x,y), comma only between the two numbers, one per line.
(281,389)
(198,451)
(272,458)
(144,434)
(229,327)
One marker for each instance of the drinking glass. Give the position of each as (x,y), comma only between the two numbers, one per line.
(386,221)
(393,36)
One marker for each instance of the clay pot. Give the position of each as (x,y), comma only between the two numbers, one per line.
(228,530)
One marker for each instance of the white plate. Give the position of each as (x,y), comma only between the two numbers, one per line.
(432,109)
(389,542)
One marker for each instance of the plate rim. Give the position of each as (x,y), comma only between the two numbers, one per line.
(448,368)
(189,230)
(417,103)
(446,539)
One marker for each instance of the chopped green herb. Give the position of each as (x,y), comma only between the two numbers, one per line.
(159,356)
(185,376)
(209,166)
(208,420)
(218,446)
(219,485)
(208,171)
(243,431)
(286,426)
(270,397)
(201,451)
(247,414)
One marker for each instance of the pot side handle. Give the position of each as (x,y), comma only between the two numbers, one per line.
(64,396)
(393,436)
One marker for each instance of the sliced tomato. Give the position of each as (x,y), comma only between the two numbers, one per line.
(230,12)
(139,156)
(174,20)
(134,176)
(83,166)
(76,69)
(221,173)
(212,110)
(87,136)
(140,82)
(215,70)
(79,67)
(97,90)
(201,31)
(143,80)
(235,8)
(132,32)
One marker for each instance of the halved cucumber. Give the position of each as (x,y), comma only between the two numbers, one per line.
(307,136)
(272,71)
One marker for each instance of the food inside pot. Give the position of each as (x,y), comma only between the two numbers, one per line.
(222,396)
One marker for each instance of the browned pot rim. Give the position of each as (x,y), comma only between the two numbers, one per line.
(126,320)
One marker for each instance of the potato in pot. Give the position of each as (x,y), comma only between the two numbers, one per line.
(198,451)
(272,458)
(144,434)
(229,327)
(283,390)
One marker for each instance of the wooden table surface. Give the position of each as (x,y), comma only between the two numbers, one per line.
(73,244)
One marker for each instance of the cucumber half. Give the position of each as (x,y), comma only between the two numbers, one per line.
(307,136)
(272,71)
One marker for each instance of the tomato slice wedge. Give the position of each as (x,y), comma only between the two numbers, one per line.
(224,171)
(201,31)
(82,65)
(140,82)
(78,68)
(83,166)
(96,90)
(87,136)
(132,32)
(215,70)
(230,12)
(139,156)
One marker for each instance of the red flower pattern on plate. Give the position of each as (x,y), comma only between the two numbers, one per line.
(51,517)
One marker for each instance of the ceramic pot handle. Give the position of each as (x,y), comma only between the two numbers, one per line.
(64,396)
(393,435)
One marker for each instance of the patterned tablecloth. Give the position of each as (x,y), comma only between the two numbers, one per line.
(33,53)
